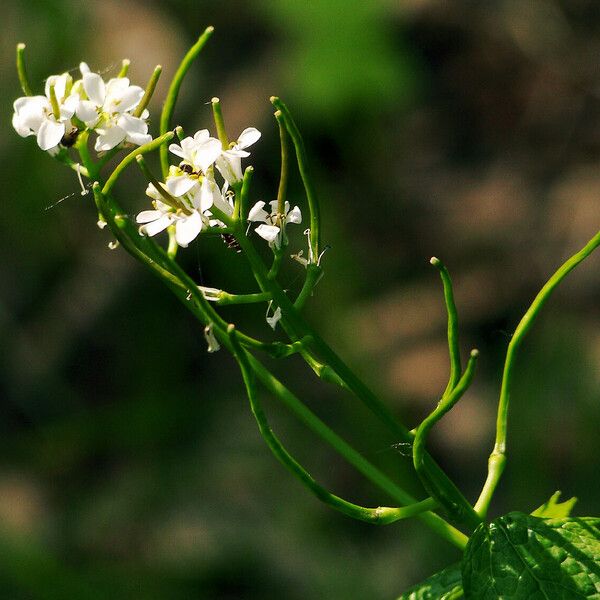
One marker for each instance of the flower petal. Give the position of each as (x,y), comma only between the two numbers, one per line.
(94,87)
(268,232)
(176,150)
(180,185)
(154,227)
(249,136)
(50,134)
(146,216)
(86,112)
(130,98)
(272,321)
(207,153)
(187,229)
(110,138)
(294,216)
(257,213)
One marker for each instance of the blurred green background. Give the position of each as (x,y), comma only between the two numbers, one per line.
(130,466)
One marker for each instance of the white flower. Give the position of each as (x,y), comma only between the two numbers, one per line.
(273,228)
(34,115)
(188,220)
(229,162)
(199,152)
(108,110)
(195,198)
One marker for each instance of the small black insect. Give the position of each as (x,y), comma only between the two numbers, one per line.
(231,242)
(70,138)
(186,168)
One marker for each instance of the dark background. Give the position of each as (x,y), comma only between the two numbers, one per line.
(130,466)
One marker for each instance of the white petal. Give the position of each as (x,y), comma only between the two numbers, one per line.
(31,112)
(249,136)
(86,112)
(83,68)
(22,130)
(201,136)
(186,230)
(130,98)
(207,153)
(176,150)
(180,185)
(146,216)
(268,232)
(139,139)
(110,138)
(294,216)
(272,321)
(157,226)
(94,87)
(230,168)
(50,134)
(257,213)
(132,124)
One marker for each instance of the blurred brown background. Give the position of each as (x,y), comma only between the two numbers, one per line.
(130,466)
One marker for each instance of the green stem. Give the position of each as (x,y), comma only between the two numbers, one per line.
(297,328)
(245,195)
(283,179)
(226,299)
(159,142)
(85,156)
(311,195)
(180,284)
(124,67)
(453,347)
(498,456)
(219,123)
(362,465)
(382,515)
(150,87)
(171,99)
(22,71)
(430,480)
(313,275)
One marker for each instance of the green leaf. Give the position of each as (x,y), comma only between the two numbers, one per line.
(519,556)
(555,509)
(445,585)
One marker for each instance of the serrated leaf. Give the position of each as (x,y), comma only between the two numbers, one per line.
(554,509)
(445,585)
(518,557)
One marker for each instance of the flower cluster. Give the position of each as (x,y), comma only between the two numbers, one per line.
(108,108)
(190,195)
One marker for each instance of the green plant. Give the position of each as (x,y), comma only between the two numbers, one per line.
(545,554)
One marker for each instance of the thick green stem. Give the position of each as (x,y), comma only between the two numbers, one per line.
(374,475)
(430,480)
(283,178)
(125,63)
(22,71)
(150,87)
(498,456)
(453,347)
(171,99)
(220,123)
(382,515)
(311,195)
(245,195)
(159,142)
(297,328)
